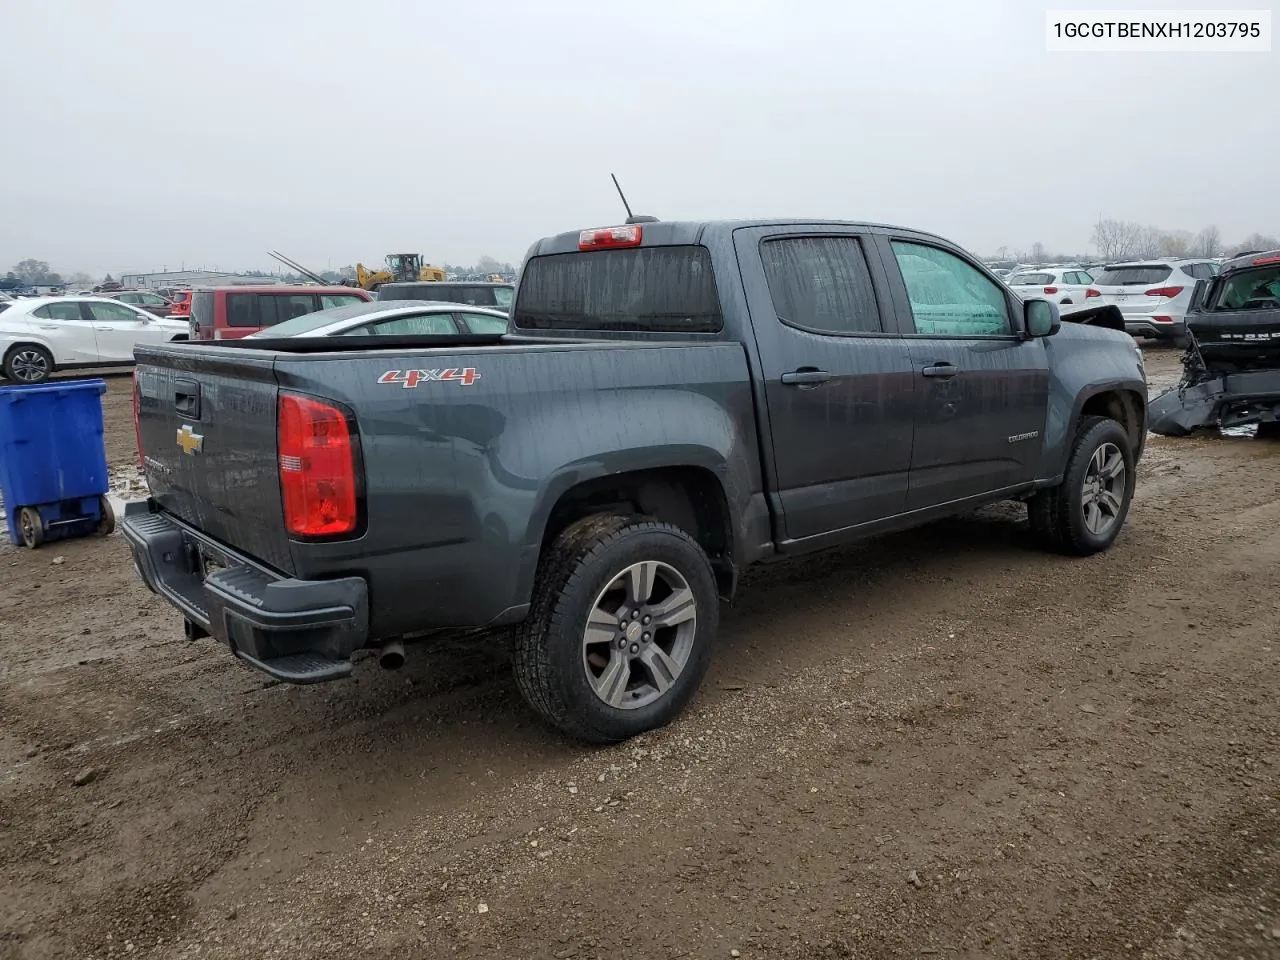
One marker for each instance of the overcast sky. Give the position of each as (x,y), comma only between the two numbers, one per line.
(154,133)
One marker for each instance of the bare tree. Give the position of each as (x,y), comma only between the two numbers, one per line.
(1208,243)
(1148,243)
(1175,243)
(1257,241)
(1038,253)
(1116,239)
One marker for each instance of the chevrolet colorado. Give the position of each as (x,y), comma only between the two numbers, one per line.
(674,402)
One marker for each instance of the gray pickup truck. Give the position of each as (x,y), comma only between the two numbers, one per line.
(675,402)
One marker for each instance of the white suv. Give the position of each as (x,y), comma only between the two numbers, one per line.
(1068,287)
(1153,295)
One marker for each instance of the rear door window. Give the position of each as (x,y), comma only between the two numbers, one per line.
(821,284)
(502,297)
(418,324)
(290,305)
(267,309)
(59,311)
(669,289)
(242,310)
(1139,275)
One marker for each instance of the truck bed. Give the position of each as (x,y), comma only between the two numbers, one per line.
(464,447)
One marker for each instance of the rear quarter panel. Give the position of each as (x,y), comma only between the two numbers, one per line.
(461,479)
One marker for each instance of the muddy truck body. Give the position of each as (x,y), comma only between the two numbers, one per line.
(674,403)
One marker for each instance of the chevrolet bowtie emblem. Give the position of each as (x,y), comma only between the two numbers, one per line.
(190,441)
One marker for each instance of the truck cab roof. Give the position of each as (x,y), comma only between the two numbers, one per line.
(675,232)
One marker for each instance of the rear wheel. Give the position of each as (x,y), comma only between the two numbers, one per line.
(1084,514)
(31,527)
(1269,430)
(28,363)
(625,610)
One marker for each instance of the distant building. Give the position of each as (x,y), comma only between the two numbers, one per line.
(186,278)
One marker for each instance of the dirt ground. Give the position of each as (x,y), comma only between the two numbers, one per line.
(943,744)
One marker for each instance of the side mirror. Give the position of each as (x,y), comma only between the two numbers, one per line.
(1041,318)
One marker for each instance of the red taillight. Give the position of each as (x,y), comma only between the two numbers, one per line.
(1263,261)
(610,238)
(317,468)
(1164,292)
(1050,289)
(1092,293)
(1162,319)
(137,419)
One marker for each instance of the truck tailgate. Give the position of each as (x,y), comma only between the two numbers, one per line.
(207,425)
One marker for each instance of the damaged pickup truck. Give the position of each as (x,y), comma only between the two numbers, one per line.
(1231,369)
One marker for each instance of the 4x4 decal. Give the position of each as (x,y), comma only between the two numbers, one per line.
(411,378)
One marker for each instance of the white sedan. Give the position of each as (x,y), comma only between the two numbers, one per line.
(1068,287)
(392,318)
(45,334)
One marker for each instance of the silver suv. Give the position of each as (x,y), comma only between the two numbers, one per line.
(1152,294)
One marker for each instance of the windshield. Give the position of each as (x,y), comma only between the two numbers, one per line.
(643,289)
(1257,289)
(1133,276)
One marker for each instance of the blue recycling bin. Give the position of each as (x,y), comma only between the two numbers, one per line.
(53,464)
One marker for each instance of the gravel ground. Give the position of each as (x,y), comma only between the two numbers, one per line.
(942,744)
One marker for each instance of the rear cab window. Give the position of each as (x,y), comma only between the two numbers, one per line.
(659,289)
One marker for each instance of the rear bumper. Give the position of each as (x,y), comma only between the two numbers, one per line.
(298,631)
(1137,325)
(1251,396)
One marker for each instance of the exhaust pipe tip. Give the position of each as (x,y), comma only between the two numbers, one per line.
(391,655)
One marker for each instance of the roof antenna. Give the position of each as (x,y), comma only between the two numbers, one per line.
(631,218)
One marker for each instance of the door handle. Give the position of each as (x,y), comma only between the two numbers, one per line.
(806,376)
(48,326)
(186,398)
(106,328)
(944,370)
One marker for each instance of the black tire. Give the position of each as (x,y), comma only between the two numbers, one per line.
(31,527)
(106,518)
(549,653)
(27,363)
(1057,515)
(1268,430)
